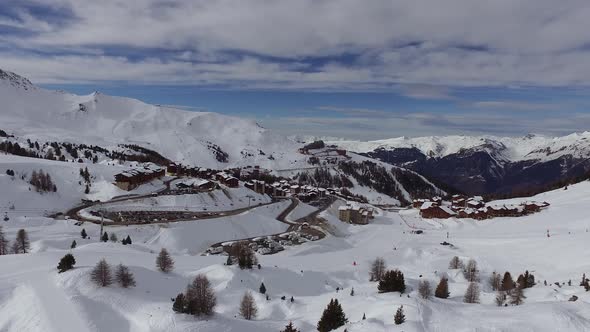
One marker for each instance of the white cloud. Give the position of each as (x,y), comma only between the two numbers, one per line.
(420,45)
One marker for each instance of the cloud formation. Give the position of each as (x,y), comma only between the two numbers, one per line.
(409,46)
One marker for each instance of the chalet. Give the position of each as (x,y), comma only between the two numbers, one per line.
(133,178)
(417,203)
(478,214)
(295,189)
(475,203)
(172,168)
(193,183)
(431,210)
(227,179)
(341,152)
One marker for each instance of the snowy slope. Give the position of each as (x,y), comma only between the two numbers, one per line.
(36,113)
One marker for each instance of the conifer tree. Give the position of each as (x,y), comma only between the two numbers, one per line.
(246,256)
(105,237)
(392,281)
(128,240)
(66,263)
(73,245)
(332,318)
(83,233)
(21,244)
(290,328)
(164,262)
(364,316)
(3,243)
(124,277)
(442,289)
(507,282)
(262,288)
(248,309)
(352,292)
(199,297)
(399,317)
(179,305)
(101,274)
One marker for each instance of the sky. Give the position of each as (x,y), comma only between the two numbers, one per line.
(341,68)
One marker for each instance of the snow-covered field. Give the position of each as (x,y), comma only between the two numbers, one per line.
(34,297)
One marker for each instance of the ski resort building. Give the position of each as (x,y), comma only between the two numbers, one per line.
(433,210)
(355,214)
(133,178)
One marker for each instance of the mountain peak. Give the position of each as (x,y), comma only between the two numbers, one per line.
(15,80)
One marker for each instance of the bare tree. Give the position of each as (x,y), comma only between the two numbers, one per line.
(164,262)
(124,277)
(21,244)
(248,308)
(472,293)
(377,269)
(495,281)
(455,263)
(470,272)
(500,298)
(425,289)
(113,237)
(517,295)
(200,298)
(101,274)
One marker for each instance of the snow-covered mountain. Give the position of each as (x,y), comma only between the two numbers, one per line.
(109,126)
(189,137)
(485,164)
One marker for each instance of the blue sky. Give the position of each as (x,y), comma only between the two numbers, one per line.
(366,70)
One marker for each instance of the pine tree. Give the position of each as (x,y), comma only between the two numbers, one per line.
(392,281)
(455,263)
(424,289)
(470,272)
(101,274)
(442,289)
(164,262)
(179,305)
(83,233)
(262,288)
(113,237)
(21,244)
(290,328)
(128,240)
(352,292)
(472,293)
(399,317)
(124,277)
(364,316)
(3,243)
(377,269)
(332,318)
(73,245)
(200,298)
(105,237)
(246,256)
(507,282)
(66,263)
(248,309)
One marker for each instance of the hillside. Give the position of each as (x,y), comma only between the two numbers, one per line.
(485,164)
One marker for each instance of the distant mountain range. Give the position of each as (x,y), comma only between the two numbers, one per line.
(485,164)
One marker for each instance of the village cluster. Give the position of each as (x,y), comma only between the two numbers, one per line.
(461,206)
